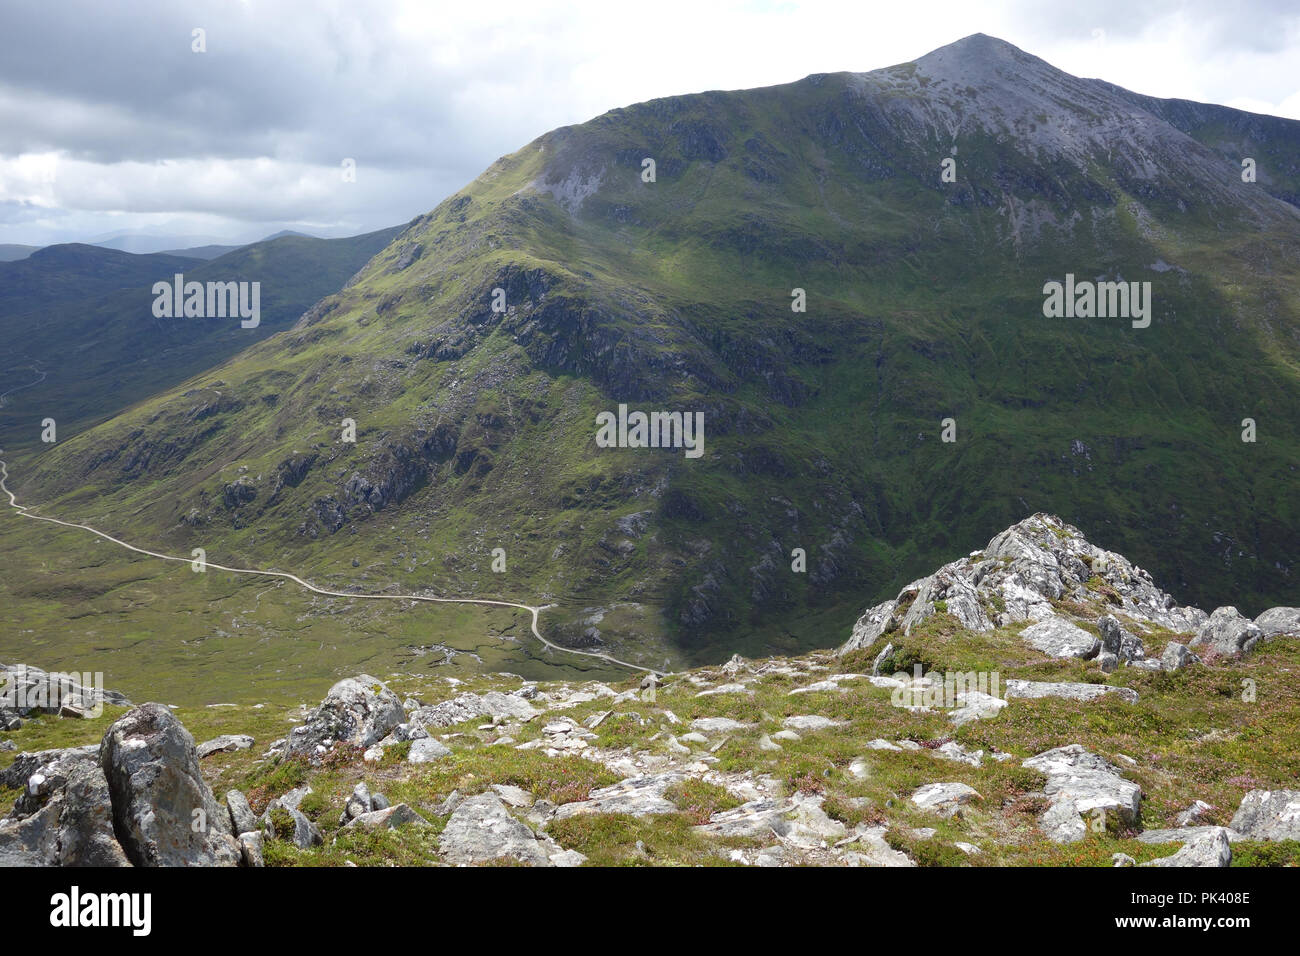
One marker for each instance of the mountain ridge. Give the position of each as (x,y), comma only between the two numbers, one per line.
(925,303)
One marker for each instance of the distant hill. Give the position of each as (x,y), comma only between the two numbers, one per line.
(73,271)
(83,316)
(11,252)
(202,252)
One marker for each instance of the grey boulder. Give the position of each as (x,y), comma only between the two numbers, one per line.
(164,814)
(1279,622)
(481,830)
(360,711)
(1206,849)
(1057,637)
(1228,632)
(1269,815)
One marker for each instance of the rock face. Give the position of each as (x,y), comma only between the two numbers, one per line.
(360,711)
(158,794)
(1269,815)
(1016,577)
(1228,632)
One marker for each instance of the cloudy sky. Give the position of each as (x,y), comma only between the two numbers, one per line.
(110,122)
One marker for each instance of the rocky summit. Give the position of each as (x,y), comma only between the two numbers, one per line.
(1039,701)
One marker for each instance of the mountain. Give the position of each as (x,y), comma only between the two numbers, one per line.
(82,319)
(202,252)
(824,473)
(1042,703)
(11,252)
(69,272)
(143,243)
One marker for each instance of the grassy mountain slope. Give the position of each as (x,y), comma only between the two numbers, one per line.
(476,428)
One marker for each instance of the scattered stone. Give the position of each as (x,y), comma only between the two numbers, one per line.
(809,722)
(1115,640)
(1080,782)
(715,725)
(1185,834)
(1177,656)
(389,818)
(226,743)
(955,751)
(945,799)
(481,830)
(1072,691)
(426,750)
(1192,813)
(1207,849)
(1057,637)
(635,796)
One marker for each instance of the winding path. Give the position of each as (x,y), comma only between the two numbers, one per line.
(26,512)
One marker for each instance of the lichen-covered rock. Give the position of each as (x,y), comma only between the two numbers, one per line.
(360,711)
(1017,577)
(1279,622)
(164,813)
(1269,815)
(1228,632)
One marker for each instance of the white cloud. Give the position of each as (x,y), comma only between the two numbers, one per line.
(426,95)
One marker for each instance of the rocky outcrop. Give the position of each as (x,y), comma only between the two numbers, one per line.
(26,690)
(359,711)
(1017,577)
(163,812)
(136,798)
